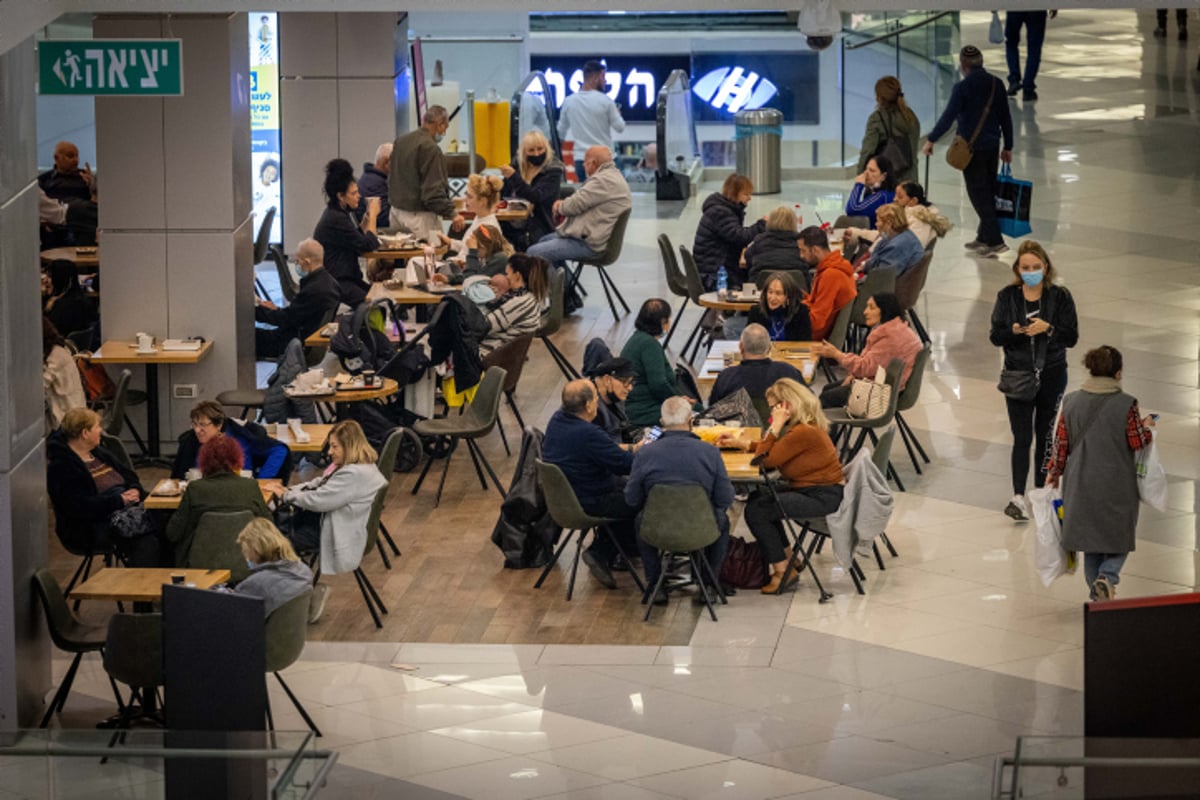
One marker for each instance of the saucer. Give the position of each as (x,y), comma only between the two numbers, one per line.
(142,352)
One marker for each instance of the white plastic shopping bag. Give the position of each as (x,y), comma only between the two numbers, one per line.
(996,30)
(1152,478)
(1049,557)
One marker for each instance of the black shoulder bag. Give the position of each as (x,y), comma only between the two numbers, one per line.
(1023,384)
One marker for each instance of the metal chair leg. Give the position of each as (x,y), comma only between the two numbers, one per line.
(700,584)
(512,405)
(675,324)
(387,537)
(878,557)
(503,438)
(369,594)
(888,544)
(575,564)
(387,563)
(648,598)
(312,726)
(471,443)
(566,539)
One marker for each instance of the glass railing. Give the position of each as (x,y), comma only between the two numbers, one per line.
(919,48)
(1077,767)
(150,764)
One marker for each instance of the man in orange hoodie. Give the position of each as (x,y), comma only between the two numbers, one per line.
(833,285)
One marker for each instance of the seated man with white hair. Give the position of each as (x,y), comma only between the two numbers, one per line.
(374,183)
(680,457)
(591,213)
(319,294)
(757,370)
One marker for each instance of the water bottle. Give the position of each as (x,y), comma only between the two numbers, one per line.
(799,217)
(722,283)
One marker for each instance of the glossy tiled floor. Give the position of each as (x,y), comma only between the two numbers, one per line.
(912,690)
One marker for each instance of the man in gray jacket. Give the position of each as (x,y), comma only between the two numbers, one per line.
(590,213)
(418,188)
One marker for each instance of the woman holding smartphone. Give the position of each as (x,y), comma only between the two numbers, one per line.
(1034,322)
(797,444)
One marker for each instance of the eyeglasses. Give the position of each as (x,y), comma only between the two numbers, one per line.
(202,423)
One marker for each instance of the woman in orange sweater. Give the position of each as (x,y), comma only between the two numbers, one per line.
(797,444)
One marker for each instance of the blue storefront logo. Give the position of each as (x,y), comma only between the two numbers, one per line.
(733,89)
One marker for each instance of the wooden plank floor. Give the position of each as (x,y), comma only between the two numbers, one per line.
(450,585)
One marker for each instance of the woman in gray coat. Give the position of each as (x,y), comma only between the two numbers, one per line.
(1094,455)
(342,497)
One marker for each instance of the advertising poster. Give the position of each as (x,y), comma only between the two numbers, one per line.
(265,161)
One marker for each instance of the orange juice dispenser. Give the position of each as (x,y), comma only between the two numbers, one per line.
(492,129)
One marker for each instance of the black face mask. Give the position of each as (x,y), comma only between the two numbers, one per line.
(537,160)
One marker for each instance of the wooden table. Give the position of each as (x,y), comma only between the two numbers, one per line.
(404,295)
(402,253)
(88,259)
(799,354)
(317,434)
(142,585)
(118,352)
(710,300)
(737,464)
(505,214)
(171,502)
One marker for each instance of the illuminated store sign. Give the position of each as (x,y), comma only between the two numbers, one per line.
(722,83)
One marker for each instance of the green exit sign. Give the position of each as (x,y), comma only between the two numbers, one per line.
(140,67)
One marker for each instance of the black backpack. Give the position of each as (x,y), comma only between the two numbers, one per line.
(358,343)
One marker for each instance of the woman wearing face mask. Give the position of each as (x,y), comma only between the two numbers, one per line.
(1094,454)
(722,233)
(1034,322)
(873,187)
(536,177)
(781,309)
(342,237)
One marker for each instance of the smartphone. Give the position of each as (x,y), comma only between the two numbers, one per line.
(652,434)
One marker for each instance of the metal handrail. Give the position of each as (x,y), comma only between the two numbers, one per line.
(897,32)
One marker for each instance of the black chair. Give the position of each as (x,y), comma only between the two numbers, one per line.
(286,629)
(477,421)
(214,544)
(568,514)
(261,248)
(837,337)
(287,283)
(843,423)
(908,291)
(695,288)
(510,357)
(877,281)
(908,398)
(115,446)
(678,519)
(69,635)
(245,398)
(612,252)
(552,323)
(676,282)
(133,655)
(387,465)
(115,417)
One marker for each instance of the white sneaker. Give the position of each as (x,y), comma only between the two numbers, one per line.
(316,605)
(1016,508)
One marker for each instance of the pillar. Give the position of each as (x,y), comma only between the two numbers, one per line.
(176,235)
(24,643)
(338,94)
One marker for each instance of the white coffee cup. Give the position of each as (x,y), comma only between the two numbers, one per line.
(193,474)
(145,341)
(807,369)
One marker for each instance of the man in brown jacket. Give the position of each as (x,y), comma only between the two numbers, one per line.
(417,183)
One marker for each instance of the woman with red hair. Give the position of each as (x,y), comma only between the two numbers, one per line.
(221,489)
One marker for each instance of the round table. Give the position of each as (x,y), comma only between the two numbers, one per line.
(89,259)
(709,300)
(389,388)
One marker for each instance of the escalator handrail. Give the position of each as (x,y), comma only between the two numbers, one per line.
(551,113)
(660,120)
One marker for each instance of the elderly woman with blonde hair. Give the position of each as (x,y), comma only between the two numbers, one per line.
(796,443)
(897,247)
(332,510)
(536,177)
(776,248)
(277,574)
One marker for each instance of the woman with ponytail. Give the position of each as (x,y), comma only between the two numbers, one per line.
(343,238)
(892,118)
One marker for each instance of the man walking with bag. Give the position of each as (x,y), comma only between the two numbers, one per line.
(978,107)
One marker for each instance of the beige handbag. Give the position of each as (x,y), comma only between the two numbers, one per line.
(869,399)
(960,151)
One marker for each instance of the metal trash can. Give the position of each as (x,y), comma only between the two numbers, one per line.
(757,135)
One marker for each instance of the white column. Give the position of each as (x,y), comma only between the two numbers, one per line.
(176,235)
(337,98)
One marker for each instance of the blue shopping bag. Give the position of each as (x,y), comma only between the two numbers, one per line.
(1012,203)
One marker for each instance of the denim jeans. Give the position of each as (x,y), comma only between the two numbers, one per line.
(1106,564)
(558,249)
(1035,27)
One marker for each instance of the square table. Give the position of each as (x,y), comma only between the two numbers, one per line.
(118,352)
(317,434)
(170,502)
(799,354)
(142,584)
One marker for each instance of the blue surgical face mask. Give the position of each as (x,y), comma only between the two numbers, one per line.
(251,564)
(437,137)
(1032,278)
